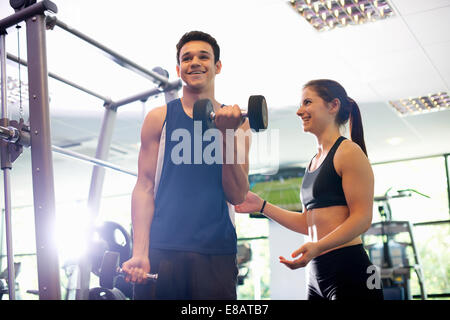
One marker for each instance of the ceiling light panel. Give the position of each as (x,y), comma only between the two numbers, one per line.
(431,103)
(328,14)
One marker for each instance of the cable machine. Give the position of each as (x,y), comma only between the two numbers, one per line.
(14,135)
(389,251)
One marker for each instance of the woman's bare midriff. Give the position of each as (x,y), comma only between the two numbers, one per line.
(323,221)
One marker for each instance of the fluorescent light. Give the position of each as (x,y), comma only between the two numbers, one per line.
(431,103)
(326,15)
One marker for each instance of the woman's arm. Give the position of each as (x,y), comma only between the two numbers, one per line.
(295,221)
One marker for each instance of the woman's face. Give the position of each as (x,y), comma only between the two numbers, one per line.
(315,112)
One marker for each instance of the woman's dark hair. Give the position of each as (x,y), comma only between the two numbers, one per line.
(198,36)
(329,90)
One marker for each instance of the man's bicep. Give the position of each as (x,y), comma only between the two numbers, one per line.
(147,164)
(148,153)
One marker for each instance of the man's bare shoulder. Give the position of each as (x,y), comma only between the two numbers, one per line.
(153,122)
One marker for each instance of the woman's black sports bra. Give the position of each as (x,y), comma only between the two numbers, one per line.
(323,187)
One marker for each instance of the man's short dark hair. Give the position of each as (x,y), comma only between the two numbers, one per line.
(198,36)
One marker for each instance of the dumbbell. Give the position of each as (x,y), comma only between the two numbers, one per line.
(110,269)
(256,112)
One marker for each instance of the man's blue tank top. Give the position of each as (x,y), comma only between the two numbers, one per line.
(191,212)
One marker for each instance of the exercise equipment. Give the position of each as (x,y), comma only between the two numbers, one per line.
(243,257)
(391,255)
(97,249)
(110,269)
(127,288)
(99,293)
(35,15)
(5,288)
(111,236)
(256,113)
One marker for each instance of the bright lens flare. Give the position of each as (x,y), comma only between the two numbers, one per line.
(71,232)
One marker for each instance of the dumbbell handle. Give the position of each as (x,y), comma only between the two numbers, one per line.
(212,115)
(148,276)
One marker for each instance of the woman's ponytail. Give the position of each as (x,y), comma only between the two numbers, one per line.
(349,111)
(356,127)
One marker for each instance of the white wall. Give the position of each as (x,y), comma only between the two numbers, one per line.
(285,284)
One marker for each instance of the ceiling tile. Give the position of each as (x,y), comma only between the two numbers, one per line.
(439,55)
(407,7)
(430,26)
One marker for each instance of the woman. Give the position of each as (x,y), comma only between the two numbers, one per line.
(336,193)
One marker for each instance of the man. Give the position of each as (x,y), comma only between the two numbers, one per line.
(182,227)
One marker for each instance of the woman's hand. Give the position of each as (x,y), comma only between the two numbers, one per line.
(308,251)
(252,203)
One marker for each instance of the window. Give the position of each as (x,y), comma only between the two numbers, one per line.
(426,176)
(429,215)
(432,244)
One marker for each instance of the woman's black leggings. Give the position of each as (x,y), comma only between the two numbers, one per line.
(343,274)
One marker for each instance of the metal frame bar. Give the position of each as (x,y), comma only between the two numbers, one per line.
(431,223)
(24,14)
(41,160)
(168,89)
(91,160)
(410,159)
(2,232)
(419,270)
(114,56)
(95,194)
(6,167)
(61,79)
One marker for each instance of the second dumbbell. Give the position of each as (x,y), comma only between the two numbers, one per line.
(256,113)
(110,269)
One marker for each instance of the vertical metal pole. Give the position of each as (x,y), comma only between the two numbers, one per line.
(2,232)
(9,247)
(102,152)
(95,194)
(6,167)
(41,161)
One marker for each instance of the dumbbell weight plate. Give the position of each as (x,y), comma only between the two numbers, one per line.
(117,239)
(97,249)
(106,294)
(108,270)
(257,112)
(202,112)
